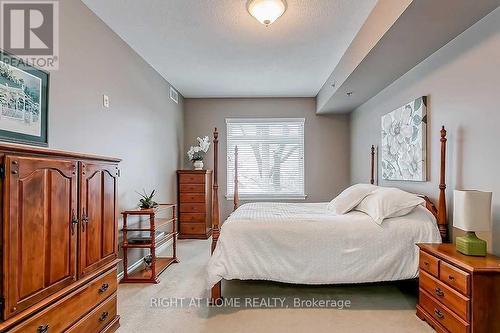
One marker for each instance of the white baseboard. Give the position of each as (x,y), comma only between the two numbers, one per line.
(140,261)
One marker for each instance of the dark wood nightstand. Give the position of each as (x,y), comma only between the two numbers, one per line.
(458,293)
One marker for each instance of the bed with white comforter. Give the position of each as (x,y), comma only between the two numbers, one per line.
(307,244)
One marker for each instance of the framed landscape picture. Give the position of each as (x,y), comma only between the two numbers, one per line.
(23,102)
(404,142)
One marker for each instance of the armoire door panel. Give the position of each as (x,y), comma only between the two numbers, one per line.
(41,246)
(109,214)
(98,235)
(93,205)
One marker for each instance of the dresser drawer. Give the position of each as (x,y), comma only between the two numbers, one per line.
(193,228)
(192,208)
(192,188)
(446,295)
(429,263)
(97,319)
(454,277)
(192,197)
(441,314)
(61,315)
(192,179)
(193,217)
(430,320)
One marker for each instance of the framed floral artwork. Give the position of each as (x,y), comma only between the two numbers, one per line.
(404,142)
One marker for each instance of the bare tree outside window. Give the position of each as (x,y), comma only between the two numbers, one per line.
(270,157)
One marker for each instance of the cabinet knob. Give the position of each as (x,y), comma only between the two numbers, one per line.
(438,313)
(43,328)
(103,288)
(103,316)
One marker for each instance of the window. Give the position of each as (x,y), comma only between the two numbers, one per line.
(270,158)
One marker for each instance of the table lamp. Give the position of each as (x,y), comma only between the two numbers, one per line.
(471,213)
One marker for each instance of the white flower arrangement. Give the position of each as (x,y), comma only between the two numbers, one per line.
(197,153)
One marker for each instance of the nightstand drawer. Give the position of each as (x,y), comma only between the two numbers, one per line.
(441,314)
(446,295)
(454,277)
(429,263)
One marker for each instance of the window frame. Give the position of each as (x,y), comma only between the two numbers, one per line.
(230,154)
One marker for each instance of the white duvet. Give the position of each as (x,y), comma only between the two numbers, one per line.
(306,244)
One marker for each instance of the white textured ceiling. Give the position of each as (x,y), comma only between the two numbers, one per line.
(214,48)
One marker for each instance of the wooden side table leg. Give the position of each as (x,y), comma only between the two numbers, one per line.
(174,231)
(154,278)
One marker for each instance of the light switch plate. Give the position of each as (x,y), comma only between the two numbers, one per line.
(105,101)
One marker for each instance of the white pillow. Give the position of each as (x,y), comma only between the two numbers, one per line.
(386,202)
(350,198)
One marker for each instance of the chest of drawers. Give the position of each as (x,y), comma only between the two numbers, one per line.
(458,293)
(195,203)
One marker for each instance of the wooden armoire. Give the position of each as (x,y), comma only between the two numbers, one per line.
(58,241)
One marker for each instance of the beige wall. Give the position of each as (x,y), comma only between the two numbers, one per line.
(143,126)
(326,139)
(462,81)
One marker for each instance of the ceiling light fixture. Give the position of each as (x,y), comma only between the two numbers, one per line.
(266,11)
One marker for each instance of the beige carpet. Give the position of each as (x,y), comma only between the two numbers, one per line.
(374,308)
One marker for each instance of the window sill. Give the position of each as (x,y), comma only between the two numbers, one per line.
(268,198)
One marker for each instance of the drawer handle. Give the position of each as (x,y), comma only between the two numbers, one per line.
(43,328)
(438,313)
(85,220)
(103,288)
(451,277)
(439,292)
(426,263)
(74,222)
(103,316)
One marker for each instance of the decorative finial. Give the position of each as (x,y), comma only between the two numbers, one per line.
(443,133)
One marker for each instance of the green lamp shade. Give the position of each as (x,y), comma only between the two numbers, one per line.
(471,213)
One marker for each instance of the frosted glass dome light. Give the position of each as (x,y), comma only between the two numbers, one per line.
(266,11)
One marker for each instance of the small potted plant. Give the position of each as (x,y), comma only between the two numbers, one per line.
(197,153)
(146,201)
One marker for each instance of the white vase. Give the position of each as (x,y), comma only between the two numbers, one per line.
(198,165)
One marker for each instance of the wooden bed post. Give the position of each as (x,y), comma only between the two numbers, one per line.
(442,216)
(216,289)
(235,194)
(372,178)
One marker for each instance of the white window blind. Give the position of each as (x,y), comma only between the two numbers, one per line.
(270,158)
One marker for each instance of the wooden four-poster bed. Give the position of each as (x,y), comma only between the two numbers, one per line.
(439,216)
